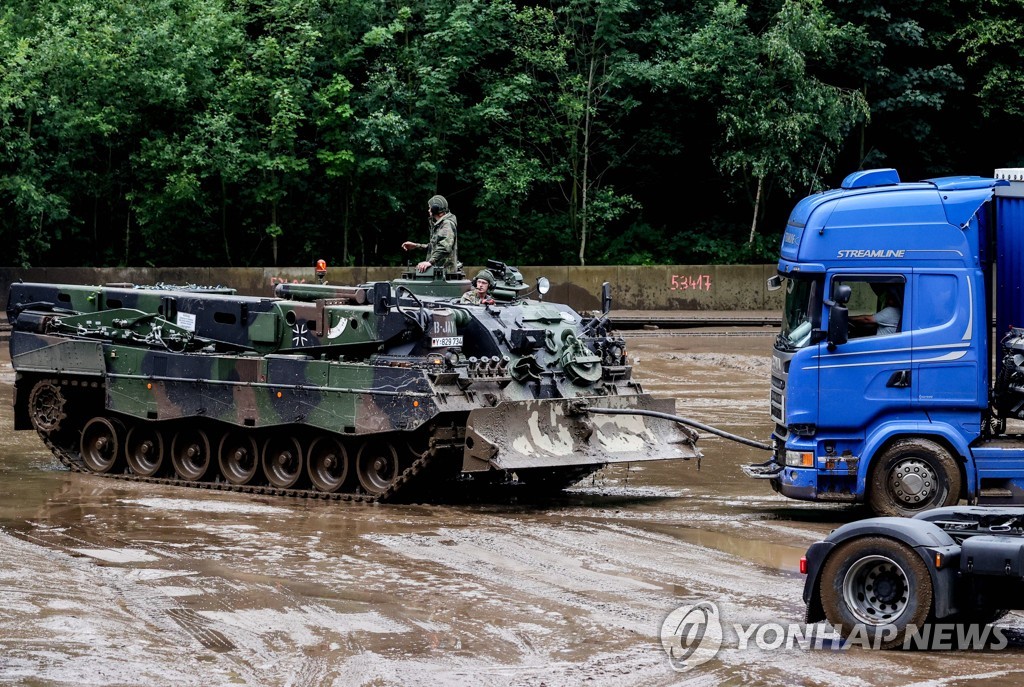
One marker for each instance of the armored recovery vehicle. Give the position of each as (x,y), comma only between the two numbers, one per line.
(341,392)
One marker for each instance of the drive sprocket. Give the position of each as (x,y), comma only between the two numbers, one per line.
(46,406)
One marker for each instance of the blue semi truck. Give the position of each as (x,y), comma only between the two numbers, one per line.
(889,384)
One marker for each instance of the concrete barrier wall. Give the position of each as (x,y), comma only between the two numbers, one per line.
(659,287)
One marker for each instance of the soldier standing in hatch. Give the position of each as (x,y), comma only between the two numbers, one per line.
(482,283)
(442,247)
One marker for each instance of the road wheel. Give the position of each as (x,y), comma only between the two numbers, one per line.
(101,444)
(377,466)
(190,454)
(911,476)
(282,461)
(144,450)
(877,583)
(327,463)
(238,457)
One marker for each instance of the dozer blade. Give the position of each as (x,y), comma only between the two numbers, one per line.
(515,435)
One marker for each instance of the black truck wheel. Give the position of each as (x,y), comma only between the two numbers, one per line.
(911,476)
(879,584)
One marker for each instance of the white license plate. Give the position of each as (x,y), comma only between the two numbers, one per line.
(445,341)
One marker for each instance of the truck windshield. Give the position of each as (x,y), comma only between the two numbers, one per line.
(802,297)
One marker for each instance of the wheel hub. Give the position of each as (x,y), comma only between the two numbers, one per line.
(913,481)
(876,590)
(887,588)
(912,484)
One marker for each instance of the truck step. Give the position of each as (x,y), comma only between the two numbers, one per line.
(766,470)
(995,493)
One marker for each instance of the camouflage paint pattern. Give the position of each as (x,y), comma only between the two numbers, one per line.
(512,379)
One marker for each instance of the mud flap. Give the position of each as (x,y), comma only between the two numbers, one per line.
(549,433)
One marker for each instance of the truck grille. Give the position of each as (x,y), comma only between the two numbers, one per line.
(778,400)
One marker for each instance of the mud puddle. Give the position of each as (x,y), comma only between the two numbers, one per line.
(111,583)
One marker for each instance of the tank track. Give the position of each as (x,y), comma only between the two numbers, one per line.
(74,463)
(402,484)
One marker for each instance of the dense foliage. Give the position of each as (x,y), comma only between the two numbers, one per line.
(237,132)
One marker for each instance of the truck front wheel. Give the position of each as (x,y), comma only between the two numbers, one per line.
(911,476)
(878,585)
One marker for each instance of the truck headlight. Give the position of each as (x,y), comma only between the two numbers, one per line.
(800,459)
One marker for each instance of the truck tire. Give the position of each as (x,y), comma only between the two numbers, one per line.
(911,476)
(878,585)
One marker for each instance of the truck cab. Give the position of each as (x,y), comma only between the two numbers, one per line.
(881,386)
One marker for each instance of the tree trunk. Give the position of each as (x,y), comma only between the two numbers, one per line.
(127,234)
(586,160)
(224,218)
(344,222)
(757,207)
(273,222)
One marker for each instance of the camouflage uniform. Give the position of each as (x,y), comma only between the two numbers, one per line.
(472,296)
(441,249)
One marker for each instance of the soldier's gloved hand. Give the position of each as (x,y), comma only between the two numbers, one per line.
(409,245)
(423,266)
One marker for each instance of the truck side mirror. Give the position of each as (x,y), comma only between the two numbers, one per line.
(839,316)
(838,325)
(842,294)
(606,298)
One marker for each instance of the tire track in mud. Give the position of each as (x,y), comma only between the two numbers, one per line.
(97,628)
(601,580)
(208,607)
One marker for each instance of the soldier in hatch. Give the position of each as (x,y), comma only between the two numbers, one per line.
(441,251)
(482,283)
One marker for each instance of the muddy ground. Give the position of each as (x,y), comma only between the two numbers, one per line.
(108,583)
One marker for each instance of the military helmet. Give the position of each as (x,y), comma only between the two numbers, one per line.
(437,204)
(486,276)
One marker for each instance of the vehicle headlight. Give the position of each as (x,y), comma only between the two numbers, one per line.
(800,459)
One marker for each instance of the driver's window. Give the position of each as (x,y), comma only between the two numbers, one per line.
(876,305)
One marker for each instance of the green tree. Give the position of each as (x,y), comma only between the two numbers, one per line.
(992,39)
(910,73)
(781,123)
(553,111)
(335,153)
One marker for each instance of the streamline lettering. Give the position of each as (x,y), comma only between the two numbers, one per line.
(880,253)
